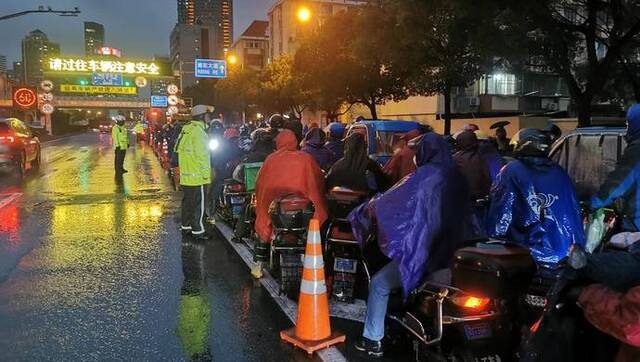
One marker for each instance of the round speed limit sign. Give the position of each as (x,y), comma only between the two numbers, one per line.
(46,85)
(172,100)
(172,110)
(172,89)
(47,108)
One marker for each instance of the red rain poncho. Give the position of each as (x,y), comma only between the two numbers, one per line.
(288,171)
(402,164)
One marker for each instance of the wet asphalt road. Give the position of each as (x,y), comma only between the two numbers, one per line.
(94,269)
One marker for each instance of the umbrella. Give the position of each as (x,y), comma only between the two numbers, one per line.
(500,124)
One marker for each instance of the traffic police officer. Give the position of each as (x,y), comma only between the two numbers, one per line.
(120,142)
(195,170)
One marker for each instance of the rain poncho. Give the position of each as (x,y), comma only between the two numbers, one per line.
(314,145)
(624,181)
(534,203)
(472,165)
(287,171)
(335,143)
(421,221)
(356,170)
(401,163)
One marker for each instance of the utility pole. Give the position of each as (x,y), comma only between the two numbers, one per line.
(42,9)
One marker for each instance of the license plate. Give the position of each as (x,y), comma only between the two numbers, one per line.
(237,200)
(477,331)
(345,265)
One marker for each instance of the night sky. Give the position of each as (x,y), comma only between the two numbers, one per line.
(140,28)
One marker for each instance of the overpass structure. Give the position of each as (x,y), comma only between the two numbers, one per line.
(65,102)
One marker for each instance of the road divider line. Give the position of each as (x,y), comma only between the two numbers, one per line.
(4,201)
(289,307)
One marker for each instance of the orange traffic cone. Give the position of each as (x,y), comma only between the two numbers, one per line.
(313,329)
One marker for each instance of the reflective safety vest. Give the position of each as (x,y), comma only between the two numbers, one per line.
(139,128)
(119,137)
(193,156)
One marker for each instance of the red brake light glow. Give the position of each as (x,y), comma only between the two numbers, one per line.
(471,302)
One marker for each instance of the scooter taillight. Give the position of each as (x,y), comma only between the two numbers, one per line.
(470,302)
(535,326)
(236,188)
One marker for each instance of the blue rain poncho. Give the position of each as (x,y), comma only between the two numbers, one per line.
(534,204)
(422,220)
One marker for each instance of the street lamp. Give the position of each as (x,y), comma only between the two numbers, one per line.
(232,59)
(304,14)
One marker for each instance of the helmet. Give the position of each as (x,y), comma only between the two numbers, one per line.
(261,134)
(336,130)
(553,131)
(231,132)
(120,119)
(216,127)
(200,110)
(531,142)
(245,130)
(276,121)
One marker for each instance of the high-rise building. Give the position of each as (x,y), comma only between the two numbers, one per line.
(3,63)
(215,13)
(223,17)
(189,42)
(17,73)
(36,49)
(252,48)
(285,28)
(93,37)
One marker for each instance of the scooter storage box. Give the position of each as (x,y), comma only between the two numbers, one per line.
(291,213)
(251,175)
(493,270)
(341,201)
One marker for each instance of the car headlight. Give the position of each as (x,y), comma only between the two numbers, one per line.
(213,144)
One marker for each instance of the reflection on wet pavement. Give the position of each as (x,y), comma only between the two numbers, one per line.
(94,268)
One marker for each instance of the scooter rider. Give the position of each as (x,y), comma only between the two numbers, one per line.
(624,182)
(335,143)
(419,223)
(195,170)
(120,141)
(534,202)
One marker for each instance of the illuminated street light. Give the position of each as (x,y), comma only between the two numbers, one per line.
(304,14)
(232,59)
(99,113)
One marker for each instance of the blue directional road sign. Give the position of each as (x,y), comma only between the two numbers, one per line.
(159,101)
(211,68)
(107,79)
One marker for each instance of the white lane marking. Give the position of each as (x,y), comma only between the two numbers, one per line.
(4,201)
(289,308)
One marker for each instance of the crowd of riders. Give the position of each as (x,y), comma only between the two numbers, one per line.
(435,194)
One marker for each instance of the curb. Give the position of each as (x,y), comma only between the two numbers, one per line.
(289,307)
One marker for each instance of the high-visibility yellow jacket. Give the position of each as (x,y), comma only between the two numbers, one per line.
(193,156)
(138,128)
(119,137)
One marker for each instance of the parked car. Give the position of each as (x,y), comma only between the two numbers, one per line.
(19,147)
(588,155)
(381,136)
(105,127)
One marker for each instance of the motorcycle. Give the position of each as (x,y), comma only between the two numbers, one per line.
(562,320)
(290,216)
(467,313)
(535,298)
(232,201)
(345,268)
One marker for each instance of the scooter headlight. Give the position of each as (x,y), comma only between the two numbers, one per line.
(213,144)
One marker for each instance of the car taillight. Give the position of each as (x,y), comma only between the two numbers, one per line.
(534,328)
(470,302)
(7,139)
